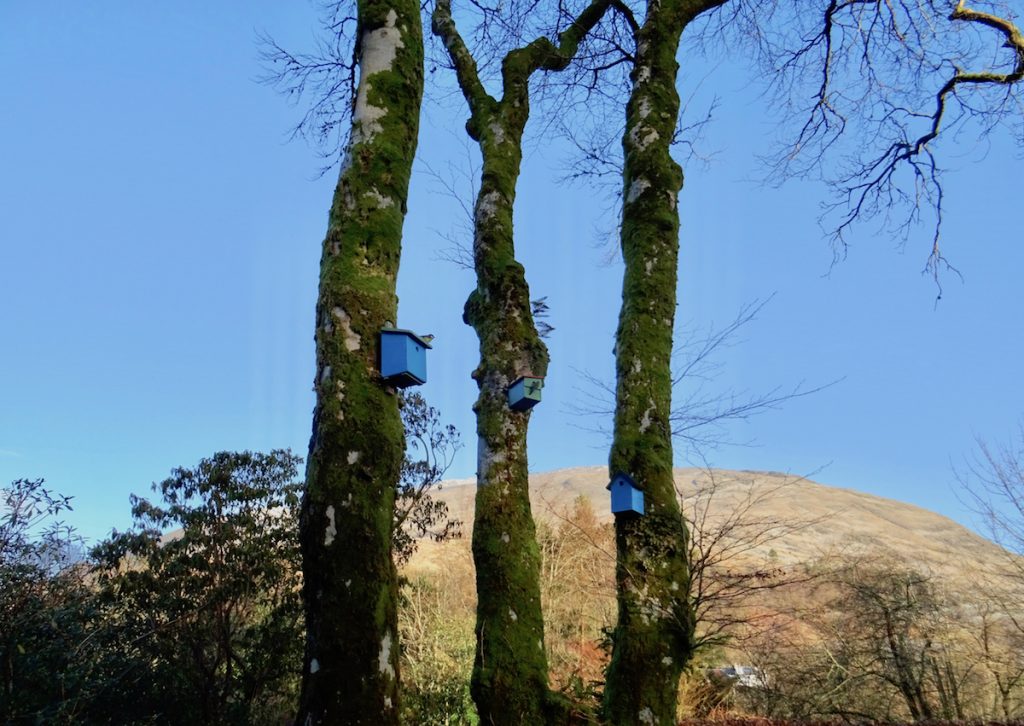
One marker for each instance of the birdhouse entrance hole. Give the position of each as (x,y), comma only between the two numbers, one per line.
(627,498)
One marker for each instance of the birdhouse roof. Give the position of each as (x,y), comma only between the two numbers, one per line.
(528,375)
(624,477)
(411,334)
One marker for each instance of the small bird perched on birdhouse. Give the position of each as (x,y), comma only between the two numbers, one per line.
(524,393)
(428,338)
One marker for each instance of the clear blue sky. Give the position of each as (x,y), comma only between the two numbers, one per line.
(159,242)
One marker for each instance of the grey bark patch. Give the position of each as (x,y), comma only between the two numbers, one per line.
(352,340)
(379,48)
(331,530)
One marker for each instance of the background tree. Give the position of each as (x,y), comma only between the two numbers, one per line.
(350,584)
(46,609)
(431,450)
(194,614)
(207,619)
(578,590)
(1001,644)
(994,483)
(731,579)
(437,645)
(510,673)
(872,638)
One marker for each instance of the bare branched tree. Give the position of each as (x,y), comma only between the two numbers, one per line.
(867,62)
(878,90)
(731,528)
(321,82)
(994,484)
(431,450)
(703,416)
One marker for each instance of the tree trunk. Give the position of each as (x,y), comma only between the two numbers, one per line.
(350,673)
(653,638)
(510,670)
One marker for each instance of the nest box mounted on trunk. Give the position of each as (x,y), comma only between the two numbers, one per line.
(524,394)
(627,499)
(403,357)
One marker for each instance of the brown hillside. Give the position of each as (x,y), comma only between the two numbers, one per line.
(838,520)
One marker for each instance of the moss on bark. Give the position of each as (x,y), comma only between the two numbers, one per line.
(653,639)
(510,680)
(510,671)
(350,671)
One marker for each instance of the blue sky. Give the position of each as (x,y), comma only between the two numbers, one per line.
(159,242)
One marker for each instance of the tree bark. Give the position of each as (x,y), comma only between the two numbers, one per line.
(653,638)
(510,671)
(350,673)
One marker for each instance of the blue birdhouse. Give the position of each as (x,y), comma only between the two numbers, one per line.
(403,357)
(524,394)
(627,499)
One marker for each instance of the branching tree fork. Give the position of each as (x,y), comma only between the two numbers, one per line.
(888,81)
(510,673)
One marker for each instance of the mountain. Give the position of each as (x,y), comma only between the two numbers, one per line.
(812,519)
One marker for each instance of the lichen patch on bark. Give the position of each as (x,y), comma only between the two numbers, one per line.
(349,336)
(636,188)
(642,136)
(487,206)
(497,132)
(379,48)
(381,201)
(645,422)
(384,659)
(331,530)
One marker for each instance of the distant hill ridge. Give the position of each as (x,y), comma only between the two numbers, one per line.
(838,520)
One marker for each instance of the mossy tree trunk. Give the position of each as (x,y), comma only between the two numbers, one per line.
(350,589)
(510,671)
(654,633)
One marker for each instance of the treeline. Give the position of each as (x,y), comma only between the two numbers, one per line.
(201,627)
(205,625)
(865,637)
(193,615)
